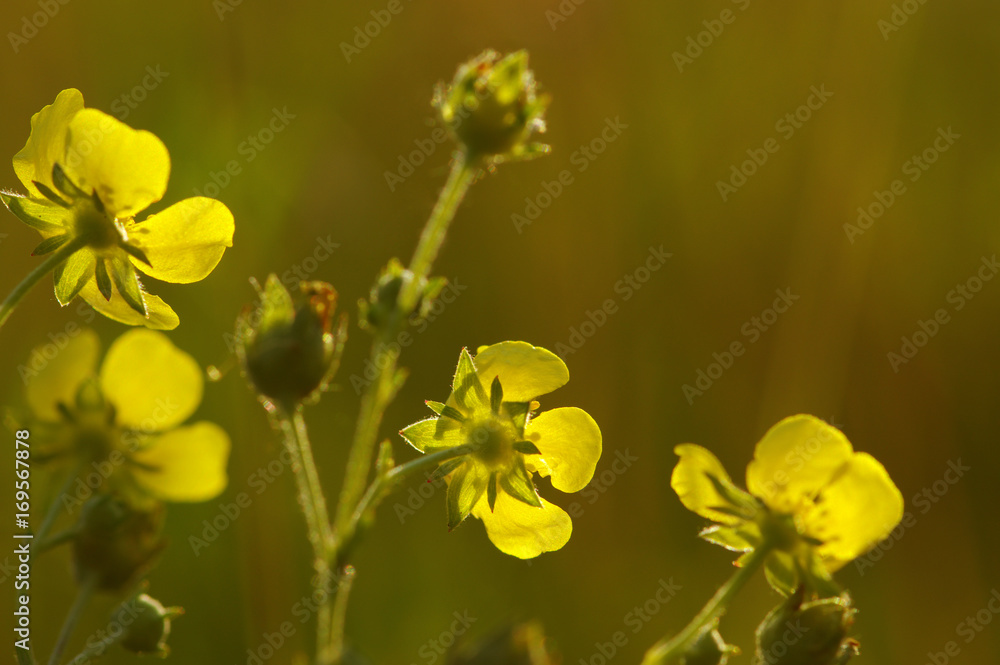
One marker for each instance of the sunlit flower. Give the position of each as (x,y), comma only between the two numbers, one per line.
(491,410)
(88,175)
(124,422)
(811,498)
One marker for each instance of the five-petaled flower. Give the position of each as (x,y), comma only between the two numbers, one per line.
(124,423)
(88,175)
(491,412)
(813,501)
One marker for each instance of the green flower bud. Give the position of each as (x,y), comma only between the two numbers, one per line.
(381,310)
(492,108)
(814,633)
(147,625)
(116,543)
(708,648)
(289,349)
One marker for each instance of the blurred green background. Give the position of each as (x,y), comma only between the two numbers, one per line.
(226,68)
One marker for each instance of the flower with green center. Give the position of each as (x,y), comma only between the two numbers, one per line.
(124,422)
(813,501)
(88,175)
(491,413)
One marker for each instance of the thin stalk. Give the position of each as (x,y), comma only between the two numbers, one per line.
(333,652)
(42,269)
(665,649)
(75,612)
(60,538)
(53,512)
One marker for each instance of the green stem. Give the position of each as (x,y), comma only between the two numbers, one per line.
(666,649)
(333,652)
(63,536)
(75,612)
(462,174)
(50,517)
(42,269)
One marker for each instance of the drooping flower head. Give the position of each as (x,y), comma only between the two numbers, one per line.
(813,500)
(124,422)
(88,175)
(491,411)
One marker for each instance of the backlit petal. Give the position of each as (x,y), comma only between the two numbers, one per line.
(159,314)
(47,141)
(153,385)
(705,488)
(570,443)
(525,371)
(128,168)
(185,242)
(185,464)
(521,530)
(795,460)
(53,374)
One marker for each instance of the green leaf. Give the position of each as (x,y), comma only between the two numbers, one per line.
(465,489)
(50,245)
(496,395)
(518,412)
(103,279)
(37,214)
(50,195)
(446,468)
(466,388)
(72,274)
(134,251)
(491,491)
(433,433)
(445,410)
(65,185)
(517,483)
(526,448)
(128,284)
(741,504)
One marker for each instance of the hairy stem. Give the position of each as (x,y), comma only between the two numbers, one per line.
(41,270)
(73,617)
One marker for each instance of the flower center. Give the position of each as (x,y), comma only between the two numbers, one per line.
(100,231)
(493,441)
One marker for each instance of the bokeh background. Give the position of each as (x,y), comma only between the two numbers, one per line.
(228,65)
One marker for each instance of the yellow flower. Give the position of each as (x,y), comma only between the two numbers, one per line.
(124,421)
(491,410)
(812,499)
(88,175)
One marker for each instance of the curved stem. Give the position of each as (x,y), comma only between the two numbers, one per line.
(75,612)
(664,650)
(459,178)
(42,269)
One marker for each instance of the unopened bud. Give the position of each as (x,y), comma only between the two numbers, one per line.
(116,542)
(149,628)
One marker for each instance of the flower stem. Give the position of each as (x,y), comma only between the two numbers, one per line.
(333,651)
(75,612)
(41,540)
(42,269)
(462,174)
(666,649)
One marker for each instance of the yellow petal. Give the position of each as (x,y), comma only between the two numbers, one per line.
(719,501)
(570,443)
(855,511)
(153,385)
(47,141)
(185,464)
(795,460)
(127,168)
(521,530)
(525,371)
(159,314)
(185,242)
(55,370)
